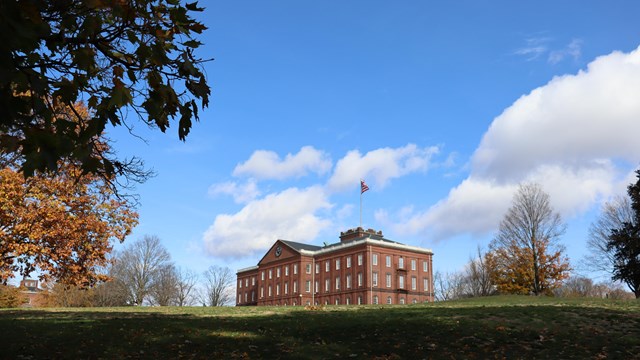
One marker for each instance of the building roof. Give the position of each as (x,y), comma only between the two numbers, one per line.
(300,246)
(366,237)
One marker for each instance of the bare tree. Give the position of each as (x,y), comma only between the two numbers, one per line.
(164,286)
(217,286)
(449,286)
(478,276)
(113,292)
(614,215)
(527,246)
(577,286)
(187,281)
(138,264)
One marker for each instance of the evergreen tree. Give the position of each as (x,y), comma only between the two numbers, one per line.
(624,242)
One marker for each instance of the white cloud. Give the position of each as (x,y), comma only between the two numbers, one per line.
(379,166)
(241,193)
(534,48)
(570,135)
(572,119)
(264,164)
(345,211)
(532,52)
(573,50)
(291,214)
(475,206)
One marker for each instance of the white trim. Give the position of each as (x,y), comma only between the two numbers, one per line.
(247,269)
(367,241)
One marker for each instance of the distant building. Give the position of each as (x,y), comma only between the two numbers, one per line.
(363,268)
(30,289)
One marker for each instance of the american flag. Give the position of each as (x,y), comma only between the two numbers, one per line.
(363,187)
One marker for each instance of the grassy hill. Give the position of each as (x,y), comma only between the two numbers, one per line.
(509,327)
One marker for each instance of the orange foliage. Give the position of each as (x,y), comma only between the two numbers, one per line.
(512,268)
(61,224)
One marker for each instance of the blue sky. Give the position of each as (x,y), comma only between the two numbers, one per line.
(443,107)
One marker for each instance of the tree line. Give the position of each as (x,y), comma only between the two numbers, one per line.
(141,274)
(526,255)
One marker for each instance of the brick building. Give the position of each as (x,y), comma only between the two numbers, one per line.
(29,288)
(363,268)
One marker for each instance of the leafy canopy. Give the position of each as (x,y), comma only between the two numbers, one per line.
(61,224)
(117,56)
(624,243)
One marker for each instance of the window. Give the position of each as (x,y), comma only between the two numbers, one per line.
(327,264)
(347,301)
(359,259)
(401,281)
(348,281)
(337,264)
(426,284)
(269,291)
(402,301)
(307,286)
(253,281)
(415,301)
(326,302)
(278,272)
(253,295)
(375,299)
(308,268)
(375,259)
(348,262)
(240,284)
(425,267)
(286,270)
(317,268)
(413,264)
(359,279)
(286,288)
(389,301)
(401,262)
(263,276)
(388,260)
(261,292)
(338,283)
(375,279)
(317,286)
(359,300)
(327,285)
(277,289)
(295,286)
(246,282)
(270,274)
(337,301)
(239,298)
(295,269)
(414,283)
(388,280)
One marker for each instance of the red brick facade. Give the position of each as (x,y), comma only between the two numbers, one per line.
(363,268)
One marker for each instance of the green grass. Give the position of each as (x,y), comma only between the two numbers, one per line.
(495,327)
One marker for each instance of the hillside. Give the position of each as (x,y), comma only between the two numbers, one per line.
(494,327)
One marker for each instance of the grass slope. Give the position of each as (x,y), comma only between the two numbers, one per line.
(495,327)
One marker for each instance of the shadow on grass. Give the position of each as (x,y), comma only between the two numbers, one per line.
(386,332)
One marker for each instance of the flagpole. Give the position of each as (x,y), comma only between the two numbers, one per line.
(363,188)
(361,207)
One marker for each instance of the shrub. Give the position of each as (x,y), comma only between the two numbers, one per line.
(11,297)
